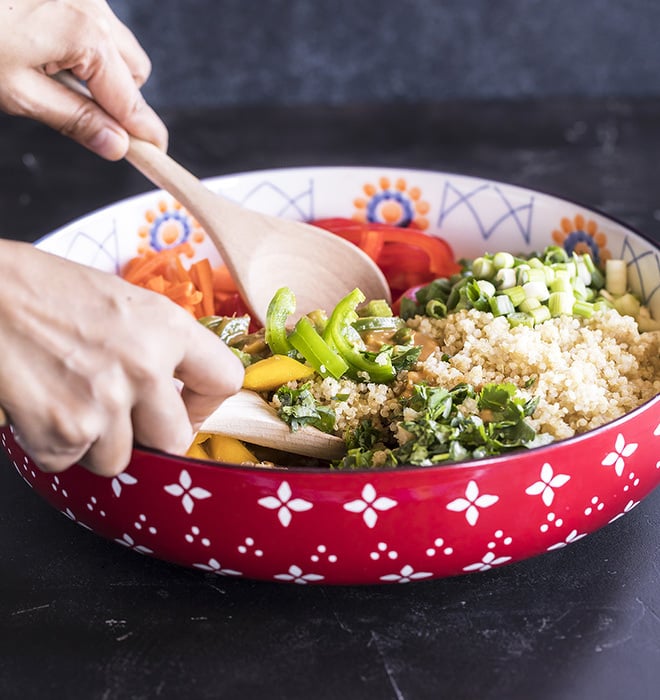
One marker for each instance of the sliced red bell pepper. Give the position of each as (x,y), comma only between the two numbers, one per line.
(406,256)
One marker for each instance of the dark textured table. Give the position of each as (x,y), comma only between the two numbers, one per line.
(84,618)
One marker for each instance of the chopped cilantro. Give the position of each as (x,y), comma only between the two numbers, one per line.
(441,432)
(299,408)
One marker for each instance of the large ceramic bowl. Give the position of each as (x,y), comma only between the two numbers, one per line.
(408,524)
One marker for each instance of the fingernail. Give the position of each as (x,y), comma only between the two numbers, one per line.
(109,144)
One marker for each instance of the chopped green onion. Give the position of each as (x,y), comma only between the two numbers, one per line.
(521,272)
(483,268)
(561,284)
(562,273)
(537,290)
(533,274)
(616,277)
(583,308)
(477,293)
(579,288)
(549,274)
(541,314)
(487,288)
(505,278)
(375,307)
(455,293)
(602,304)
(501,305)
(503,261)
(518,318)
(597,279)
(529,304)
(583,272)
(555,254)
(516,294)
(436,309)
(561,304)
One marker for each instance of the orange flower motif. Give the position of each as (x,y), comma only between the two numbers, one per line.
(168,226)
(392,203)
(582,235)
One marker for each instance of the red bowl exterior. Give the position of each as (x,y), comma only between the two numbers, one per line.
(366,527)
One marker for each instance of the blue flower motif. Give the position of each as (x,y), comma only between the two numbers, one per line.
(161,232)
(578,240)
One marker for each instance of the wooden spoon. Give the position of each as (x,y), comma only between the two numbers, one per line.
(262,252)
(248,417)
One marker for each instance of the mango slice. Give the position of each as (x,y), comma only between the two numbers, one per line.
(271,373)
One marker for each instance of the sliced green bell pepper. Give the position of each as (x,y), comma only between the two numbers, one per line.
(336,334)
(307,341)
(281,306)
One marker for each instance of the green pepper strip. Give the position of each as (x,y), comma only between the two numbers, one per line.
(281,306)
(377,323)
(307,341)
(335,335)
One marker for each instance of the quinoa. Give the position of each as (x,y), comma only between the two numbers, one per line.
(584,372)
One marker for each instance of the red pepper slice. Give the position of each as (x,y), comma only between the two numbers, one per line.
(407,257)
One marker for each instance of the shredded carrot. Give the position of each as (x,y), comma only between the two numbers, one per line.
(202,276)
(164,272)
(156,284)
(148,266)
(222,279)
(131,267)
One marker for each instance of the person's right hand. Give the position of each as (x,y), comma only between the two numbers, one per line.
(39,38)
(89,363)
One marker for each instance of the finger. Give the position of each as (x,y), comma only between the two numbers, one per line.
(160,419)
(49,458)
(72,115)
(110,81)
(210,372)
(131,51)
(53,440)
(111,453)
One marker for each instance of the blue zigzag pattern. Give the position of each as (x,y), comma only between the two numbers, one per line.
(521,214)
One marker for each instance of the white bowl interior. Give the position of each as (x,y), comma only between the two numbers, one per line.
(473,215)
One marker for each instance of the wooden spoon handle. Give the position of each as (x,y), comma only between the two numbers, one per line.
(207,207)
(3,418)
(172,177)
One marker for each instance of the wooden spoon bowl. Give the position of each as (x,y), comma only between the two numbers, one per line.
(262,252)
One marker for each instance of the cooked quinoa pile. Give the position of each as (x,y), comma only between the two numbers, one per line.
(585,372)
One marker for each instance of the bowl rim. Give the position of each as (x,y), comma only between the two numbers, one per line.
(386,169)
(485,462)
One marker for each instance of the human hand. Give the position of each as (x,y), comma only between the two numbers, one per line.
(89,364)
(39,38)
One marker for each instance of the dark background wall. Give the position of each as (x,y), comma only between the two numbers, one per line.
(227,52)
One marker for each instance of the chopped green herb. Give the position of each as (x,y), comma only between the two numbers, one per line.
(442,430)
(299,408)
